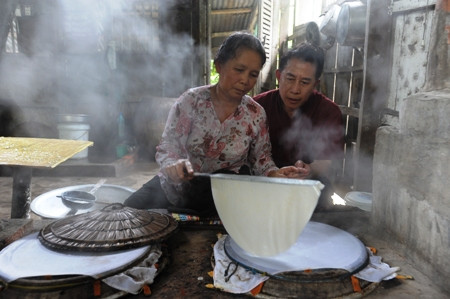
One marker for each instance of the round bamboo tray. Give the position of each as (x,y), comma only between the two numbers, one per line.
(115,227)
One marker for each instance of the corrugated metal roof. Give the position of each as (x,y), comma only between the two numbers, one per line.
(230,4)
(229,16)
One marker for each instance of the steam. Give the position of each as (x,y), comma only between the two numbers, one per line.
(93,57)
(315,139)
(79,49)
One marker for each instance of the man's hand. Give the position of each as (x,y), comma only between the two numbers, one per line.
(300,170)
(285,172)
(304,169)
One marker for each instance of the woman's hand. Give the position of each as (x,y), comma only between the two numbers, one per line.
(179,171)
(300,170)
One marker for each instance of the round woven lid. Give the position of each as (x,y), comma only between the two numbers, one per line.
(115,227)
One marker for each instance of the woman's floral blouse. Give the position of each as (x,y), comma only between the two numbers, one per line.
(194,132)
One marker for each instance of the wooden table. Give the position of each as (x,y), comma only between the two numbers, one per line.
(24,154)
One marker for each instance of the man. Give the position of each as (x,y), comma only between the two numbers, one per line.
(305,126)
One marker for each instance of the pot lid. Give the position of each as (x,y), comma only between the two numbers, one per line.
(362,200)
(50,204)
(115,227)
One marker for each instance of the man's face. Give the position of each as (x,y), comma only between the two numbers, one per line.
(296,83)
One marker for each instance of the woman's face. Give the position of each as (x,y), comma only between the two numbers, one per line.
(238,75)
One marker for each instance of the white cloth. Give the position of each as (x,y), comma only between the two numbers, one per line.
(376,270)
(237,280)
(29,257)
(132,280)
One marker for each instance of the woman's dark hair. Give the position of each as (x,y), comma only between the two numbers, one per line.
(306,52)
(235,42)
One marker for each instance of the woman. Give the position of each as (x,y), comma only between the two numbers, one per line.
(212,129)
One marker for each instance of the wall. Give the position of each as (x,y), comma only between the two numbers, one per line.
(411,199)
(410,183)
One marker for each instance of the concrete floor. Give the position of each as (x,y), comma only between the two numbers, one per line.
(352,220)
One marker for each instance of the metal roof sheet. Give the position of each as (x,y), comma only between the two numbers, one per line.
(229,16)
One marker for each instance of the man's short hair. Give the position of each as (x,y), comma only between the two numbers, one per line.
(306,52)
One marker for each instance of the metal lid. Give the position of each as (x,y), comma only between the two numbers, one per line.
(73,118)
(115,227)
(362,200)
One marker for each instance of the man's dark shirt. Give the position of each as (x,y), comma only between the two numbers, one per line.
(315,133)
